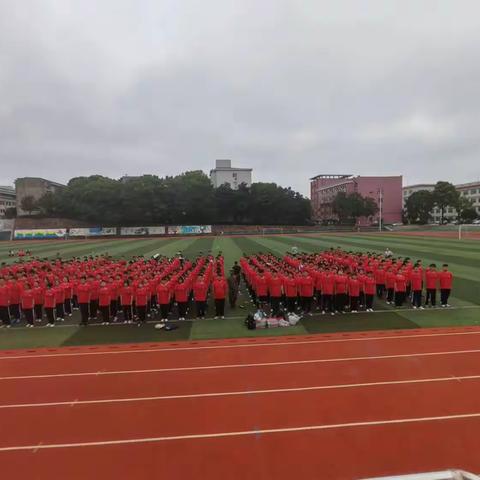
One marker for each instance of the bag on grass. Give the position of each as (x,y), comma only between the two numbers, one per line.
(293,319)
(250,322)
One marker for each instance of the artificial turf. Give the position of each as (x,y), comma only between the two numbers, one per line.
(462,256)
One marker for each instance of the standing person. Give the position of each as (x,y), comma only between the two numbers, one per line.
(4,303)
(341,283)
(50,303)
(354,293)
(291,293)
(261,289)
(126,300)
(318,287)
(142,295)
(200,291)
(233,286)
(416,282)
(400,288)
(380,281)
(181,297)
(236,271)
(328,289)
(114,286)
(94,293)
(164,298)
(68,293)
(390,285)
(60,299)
(38,293)
(361,278)
(446,279)
(219,294)
(16,288)
(306,293)
(83,297)
(431,279)
(104,298)
(275,291)
(370,287)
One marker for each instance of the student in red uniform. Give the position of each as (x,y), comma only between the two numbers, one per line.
(219,294)
(68,289)
(142,296)
(27,301)
(354,293)
(60,299)
(416,282)
(431,279)
(50,304)
(83,298)
(164,298)
(126,299)
(328,288)
(400,288)
(370,286)
(104,297)
(275,291)
(291,293)
(4,303)
(390,285)
(380,281)
(16,288)
(306,292)
(446,279)
(181,297)
(38,293)
(341,283)
(94,293)
(200,291)
(261,289)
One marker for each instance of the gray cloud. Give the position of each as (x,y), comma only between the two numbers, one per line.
(289,88)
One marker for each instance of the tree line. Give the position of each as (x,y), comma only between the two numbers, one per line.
(419,205)
(189,198)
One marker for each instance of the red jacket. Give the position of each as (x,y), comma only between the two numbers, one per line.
(306,287)
(400,283)
(219,288)
(446,280)
(50,300)
(181,292)
(328,284)
(4,296)
(142,295)
(163,294)
(416,280)
(200,290)
(431,278)
(104,296)
(290,286)
(354,287)
(126,295)
(27,299)
(261,287)
(275,287)
(83,293)
(341,282)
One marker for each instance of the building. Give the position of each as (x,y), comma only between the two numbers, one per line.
(33,187)
(386,191)
(7,199)
(470,191)
(224,173)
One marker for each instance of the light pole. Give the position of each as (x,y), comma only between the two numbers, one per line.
(380,208)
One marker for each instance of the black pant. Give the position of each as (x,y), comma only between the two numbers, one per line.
(291,304)
(38,312)
(306,303)
(327,299)
(67,305)
(113,308)
(390,294)
(93,308)
(15,311)
(50,312)
(182,309)
(275,305)
(340,301)
(5,315)
(28,312)
(318,297)
(219,307)
(164,309)
(127,312)
(380,290)
(60,311)
(444,295)
(354,303)
(262,300)
(75,301)
(362,299)
(417,298)
(399,298)
(201,307)
(105,312)
(142,313)
(369,301)
(431,296)
(84,312)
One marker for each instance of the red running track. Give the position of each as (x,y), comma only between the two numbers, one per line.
(342,406)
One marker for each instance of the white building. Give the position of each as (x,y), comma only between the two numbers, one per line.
(7,199)
(225,173)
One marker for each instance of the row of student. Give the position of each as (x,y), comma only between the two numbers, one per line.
(107,287)
(337,279)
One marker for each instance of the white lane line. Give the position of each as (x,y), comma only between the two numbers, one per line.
(240,433)
(243,345)
(244,392)
(237,365)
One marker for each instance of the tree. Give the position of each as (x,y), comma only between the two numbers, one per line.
(466,211)
(28,204)
(350,207)
(10,212)
(419,206)
(445,195)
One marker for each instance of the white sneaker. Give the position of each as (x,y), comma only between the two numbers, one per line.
(354,311)
(323,312)
(223,317)
(421,308)
(215,318)
(414,307)
(332,313)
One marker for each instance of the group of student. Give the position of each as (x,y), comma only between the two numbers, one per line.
(336,281)
(110,289)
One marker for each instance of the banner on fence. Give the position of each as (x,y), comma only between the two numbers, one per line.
(92,232)
(142,231)
(189,229)
(40,233)
(6,225)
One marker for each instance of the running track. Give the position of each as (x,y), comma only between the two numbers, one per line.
(341,406)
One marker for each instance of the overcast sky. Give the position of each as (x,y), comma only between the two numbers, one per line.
(290,88)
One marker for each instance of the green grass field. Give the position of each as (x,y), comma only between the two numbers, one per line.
(462,256)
